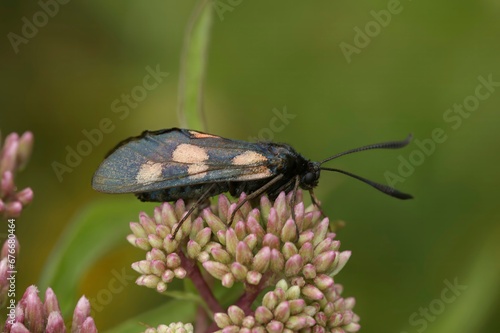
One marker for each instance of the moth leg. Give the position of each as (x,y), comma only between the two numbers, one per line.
(293,199)
(255,194)
(315,202)
(283,187)
(200,200)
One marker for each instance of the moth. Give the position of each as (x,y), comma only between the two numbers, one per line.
(171,164)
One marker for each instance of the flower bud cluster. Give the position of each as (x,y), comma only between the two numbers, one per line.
(31,315)
(263,241)
(292,308)
(10,247)
(261,246)
(172,328)
(162,263)
(14,155)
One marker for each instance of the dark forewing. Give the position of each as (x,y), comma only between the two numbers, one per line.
(179,157)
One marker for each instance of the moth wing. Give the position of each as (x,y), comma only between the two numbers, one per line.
(178,157)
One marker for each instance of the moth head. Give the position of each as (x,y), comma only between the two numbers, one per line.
(313,176)
(310,178)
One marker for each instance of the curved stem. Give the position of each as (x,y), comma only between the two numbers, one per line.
(194,274)
(250,294)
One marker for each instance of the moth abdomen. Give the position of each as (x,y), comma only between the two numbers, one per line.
(183,192)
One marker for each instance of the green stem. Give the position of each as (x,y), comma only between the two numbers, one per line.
(193,65)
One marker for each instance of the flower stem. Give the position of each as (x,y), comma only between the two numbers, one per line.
(194,274)
(251,293)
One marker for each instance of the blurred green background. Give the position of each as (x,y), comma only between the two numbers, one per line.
(402,77)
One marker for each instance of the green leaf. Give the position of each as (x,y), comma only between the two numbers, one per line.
(97,229)
(173,311)
(193,65)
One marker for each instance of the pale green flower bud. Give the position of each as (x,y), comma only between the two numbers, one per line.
(243,254)
(261,260)
(312,292)
(289,231)
(236,315)
(216,269)
(263,315)
(293,265)
(254,277)
(282,312)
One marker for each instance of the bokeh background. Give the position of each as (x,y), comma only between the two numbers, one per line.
(277,55)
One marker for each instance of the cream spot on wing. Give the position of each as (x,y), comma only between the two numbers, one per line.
(198,135)
(197,171)
(149,172)
(186,153)
(256,173)
(249,157)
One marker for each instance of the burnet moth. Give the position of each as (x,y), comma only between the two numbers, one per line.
(172,164)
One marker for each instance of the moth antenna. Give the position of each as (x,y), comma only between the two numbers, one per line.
(382,188)
(382,145)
